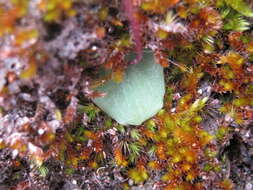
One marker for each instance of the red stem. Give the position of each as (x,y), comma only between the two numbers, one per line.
(135,27)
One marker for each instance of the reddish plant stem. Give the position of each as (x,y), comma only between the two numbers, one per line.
(135,28)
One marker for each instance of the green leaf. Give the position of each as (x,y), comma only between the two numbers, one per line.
(135,134)
(135,148)
(236,23)
(43,170)
(241,6)
(138,97)
(234,20)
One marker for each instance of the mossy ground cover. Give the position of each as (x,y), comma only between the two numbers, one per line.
(52,135)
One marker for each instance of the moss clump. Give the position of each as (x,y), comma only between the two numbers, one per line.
(51,53)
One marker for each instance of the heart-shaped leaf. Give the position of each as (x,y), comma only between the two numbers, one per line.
(138,97)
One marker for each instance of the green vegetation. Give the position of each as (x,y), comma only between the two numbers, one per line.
(173,116)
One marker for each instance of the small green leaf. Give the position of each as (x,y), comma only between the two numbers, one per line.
(241,6)
(138,97)
(234,21)
(135,134)
(43,171)
(135,148)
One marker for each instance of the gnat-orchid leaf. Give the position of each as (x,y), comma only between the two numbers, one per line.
(138,97)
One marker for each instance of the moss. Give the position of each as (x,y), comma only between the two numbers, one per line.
(206,52)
